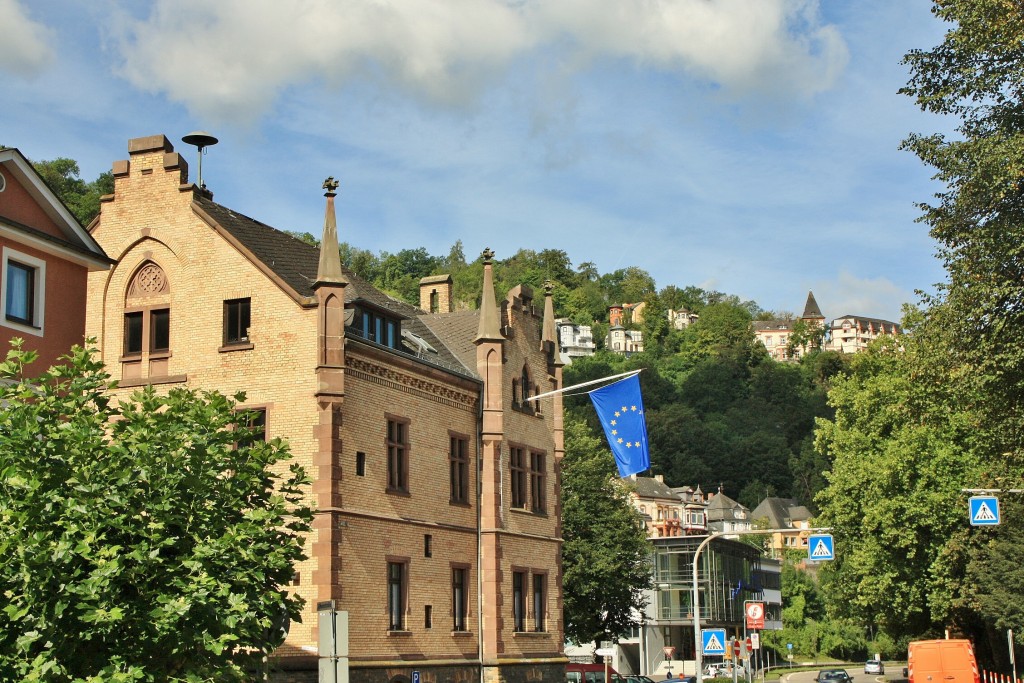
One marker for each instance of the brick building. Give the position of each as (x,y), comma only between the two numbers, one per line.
(46,257)
(437,485)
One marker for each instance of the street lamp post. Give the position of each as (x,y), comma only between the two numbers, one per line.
(698,645)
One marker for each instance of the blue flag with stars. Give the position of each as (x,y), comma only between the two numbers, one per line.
(621,411)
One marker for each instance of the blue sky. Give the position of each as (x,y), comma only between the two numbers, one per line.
(746,146)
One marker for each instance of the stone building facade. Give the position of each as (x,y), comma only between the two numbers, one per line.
(436,479)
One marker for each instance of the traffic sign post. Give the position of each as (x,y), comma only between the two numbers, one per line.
(821,547)
(984,510)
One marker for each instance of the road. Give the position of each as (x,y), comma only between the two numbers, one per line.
(855,673)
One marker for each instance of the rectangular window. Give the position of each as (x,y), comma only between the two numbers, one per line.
(396,596)
(236,321)
(398,456)
(519,601)
(518,472)
(459,598)
(428,545)
(360,464)
(458,469)
(133,333)
(160,330)
(256,421)
(21,295)
(428,616)
(23,287)
(537,481)
(539,601)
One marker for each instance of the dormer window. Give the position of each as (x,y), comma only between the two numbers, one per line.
(375,325)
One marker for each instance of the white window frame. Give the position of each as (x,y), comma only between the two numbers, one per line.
(39,311)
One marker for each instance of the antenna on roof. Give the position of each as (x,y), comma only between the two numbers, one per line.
(202,140)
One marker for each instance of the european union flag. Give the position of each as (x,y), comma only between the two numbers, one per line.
(620,408)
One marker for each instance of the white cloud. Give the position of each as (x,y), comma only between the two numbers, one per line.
(230,60)
(873,297)
(25,49)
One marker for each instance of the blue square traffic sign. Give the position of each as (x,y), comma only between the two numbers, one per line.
(712,641)
(984,510)
(820,547)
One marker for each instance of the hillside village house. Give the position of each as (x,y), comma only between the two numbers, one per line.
(437,485)
(845,334)
(46,258)
(853,333)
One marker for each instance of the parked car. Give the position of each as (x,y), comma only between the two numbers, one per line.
(874,666)
(833,676)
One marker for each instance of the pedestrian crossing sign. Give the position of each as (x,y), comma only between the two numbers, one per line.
(712,641)
(820,547)
(984,510)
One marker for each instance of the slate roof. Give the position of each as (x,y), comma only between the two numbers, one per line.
(811,309)
(721,507)
(296,263)
(781,512)
(649,487)
(863,319)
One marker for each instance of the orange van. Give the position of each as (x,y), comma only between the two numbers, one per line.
(941,661)
(590,673)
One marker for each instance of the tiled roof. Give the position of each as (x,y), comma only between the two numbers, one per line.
(296,263)
(863,319)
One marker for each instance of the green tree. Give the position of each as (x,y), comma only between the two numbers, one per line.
(900,456)
(606,555)
(150,539)
(974,76)
(81,198)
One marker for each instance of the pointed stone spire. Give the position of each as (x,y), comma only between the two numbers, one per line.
(548,332)
(490,326)
(330,259)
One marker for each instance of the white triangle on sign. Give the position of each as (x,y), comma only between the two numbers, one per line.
(821,550)
(984,513)
(713,643)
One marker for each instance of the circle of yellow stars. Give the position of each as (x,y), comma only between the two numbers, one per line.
(615,432)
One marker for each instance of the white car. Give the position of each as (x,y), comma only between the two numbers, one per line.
(874,666)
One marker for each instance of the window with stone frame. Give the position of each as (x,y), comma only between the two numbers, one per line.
(460,593)
(236,321)
(458,469)
(538,482)
(146,345)
(519,601)
(397,448)
(539,602)
(517,471)
(397,594)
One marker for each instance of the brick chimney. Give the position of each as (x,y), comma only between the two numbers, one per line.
(436,294)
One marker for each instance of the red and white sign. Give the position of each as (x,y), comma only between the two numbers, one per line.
(755,615)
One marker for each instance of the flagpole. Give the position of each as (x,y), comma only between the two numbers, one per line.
(584,384)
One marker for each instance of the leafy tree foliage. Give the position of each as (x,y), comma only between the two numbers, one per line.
(606,555)
(893,500)
(146,540)
(81,198)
